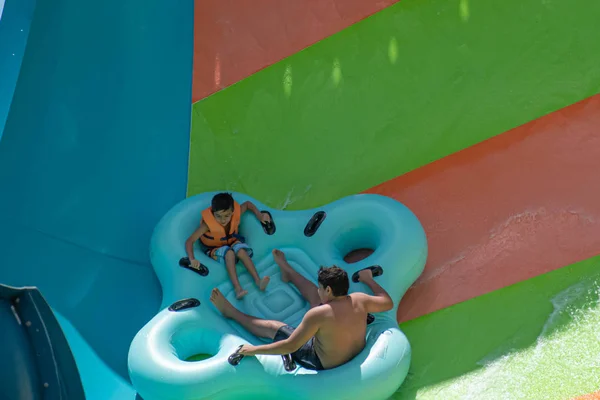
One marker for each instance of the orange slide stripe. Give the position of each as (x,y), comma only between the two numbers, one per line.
(591,396)
(234,39)
(510,208)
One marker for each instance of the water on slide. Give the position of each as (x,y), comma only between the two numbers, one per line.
(552,338)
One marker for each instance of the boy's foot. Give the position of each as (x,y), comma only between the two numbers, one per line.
(239,293)
(262,285)
(222,304)
(281,261)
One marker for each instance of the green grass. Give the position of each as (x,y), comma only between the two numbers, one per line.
(538,339)
(407,86)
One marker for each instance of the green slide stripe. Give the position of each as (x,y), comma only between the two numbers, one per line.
(537,339)
(409,85)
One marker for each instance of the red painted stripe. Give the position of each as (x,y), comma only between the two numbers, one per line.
(234,39)
(515,206)
(591,396)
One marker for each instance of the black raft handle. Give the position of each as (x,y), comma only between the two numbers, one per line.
(186,263)
(314,223)
(268,227)
(376,269)
(235,357)
(288,362)
(370,318)
(184,304)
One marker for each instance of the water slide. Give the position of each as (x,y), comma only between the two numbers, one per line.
(93,153)
(482,117)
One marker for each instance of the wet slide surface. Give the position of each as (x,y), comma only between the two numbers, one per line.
(234,39)
(589,396)
(371,102)
(434,90)
(537,339)
(518,205)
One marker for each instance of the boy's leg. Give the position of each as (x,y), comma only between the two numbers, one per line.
(230,261)
(307,289)
(244,254)
(257,326)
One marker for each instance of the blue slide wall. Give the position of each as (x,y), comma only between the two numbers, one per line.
(93,153)
(15,19)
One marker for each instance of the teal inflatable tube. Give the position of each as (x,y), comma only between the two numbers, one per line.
(310,238)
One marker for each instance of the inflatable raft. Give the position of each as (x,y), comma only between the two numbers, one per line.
(188,324)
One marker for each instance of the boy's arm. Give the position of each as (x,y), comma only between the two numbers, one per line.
(381,300)
(248,205)
(189,243)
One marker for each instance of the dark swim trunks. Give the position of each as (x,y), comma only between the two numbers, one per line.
(305,355)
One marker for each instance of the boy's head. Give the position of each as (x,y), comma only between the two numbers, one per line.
(222,208)
(333,282)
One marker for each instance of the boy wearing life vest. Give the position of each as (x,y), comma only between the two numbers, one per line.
(220,239)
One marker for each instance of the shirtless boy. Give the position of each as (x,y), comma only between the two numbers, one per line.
(333,330)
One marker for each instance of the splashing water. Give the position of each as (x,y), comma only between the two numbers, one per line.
(563,362)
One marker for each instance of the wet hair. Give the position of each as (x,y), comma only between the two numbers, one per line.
(222,202)
(336,278)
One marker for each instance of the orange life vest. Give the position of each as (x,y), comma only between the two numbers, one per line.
(216,235)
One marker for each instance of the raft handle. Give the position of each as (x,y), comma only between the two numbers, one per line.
(314,223)
(370,318)
(186,263)
(376,269)
(184,304)
(288,362)
(235,358)
(268,227)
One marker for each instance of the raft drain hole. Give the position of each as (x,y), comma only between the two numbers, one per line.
(194,343)
(199,357)
(357,255)
(356,241)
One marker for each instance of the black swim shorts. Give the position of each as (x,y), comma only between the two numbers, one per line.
(305,355)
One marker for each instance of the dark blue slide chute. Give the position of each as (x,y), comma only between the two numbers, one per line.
(38,363)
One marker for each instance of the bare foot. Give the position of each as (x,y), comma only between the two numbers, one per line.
(263,283)
(239,293)
(222,304)
(280,260)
